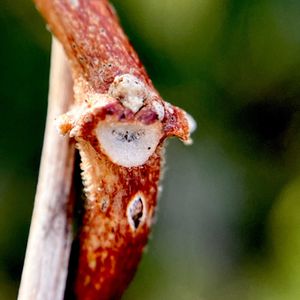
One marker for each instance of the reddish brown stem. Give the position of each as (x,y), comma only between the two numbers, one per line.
(116,107)
(93,39)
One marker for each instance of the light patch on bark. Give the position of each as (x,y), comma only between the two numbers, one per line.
(159,109)
(128,144)
(130,91)
(136,212)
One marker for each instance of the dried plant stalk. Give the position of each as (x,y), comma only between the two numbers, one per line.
(47,256)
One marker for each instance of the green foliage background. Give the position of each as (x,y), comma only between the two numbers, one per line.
(229,219)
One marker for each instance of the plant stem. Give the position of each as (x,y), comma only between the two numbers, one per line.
(48,250)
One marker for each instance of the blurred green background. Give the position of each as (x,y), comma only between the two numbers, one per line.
(229,220)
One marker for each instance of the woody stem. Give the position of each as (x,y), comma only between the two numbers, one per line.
(47,255)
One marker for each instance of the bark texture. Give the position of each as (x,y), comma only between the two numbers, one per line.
(119,122)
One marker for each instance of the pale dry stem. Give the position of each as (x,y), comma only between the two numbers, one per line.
(50,238)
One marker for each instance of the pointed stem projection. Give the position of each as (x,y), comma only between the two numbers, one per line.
(47,256)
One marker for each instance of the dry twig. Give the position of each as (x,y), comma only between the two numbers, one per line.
(47,255)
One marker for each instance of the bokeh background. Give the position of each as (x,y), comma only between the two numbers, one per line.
(229,220)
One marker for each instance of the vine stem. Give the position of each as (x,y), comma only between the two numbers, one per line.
(50,238)
(113,90)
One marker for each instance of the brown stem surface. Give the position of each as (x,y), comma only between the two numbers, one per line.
(47,255)
(111,88)
(93,40)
